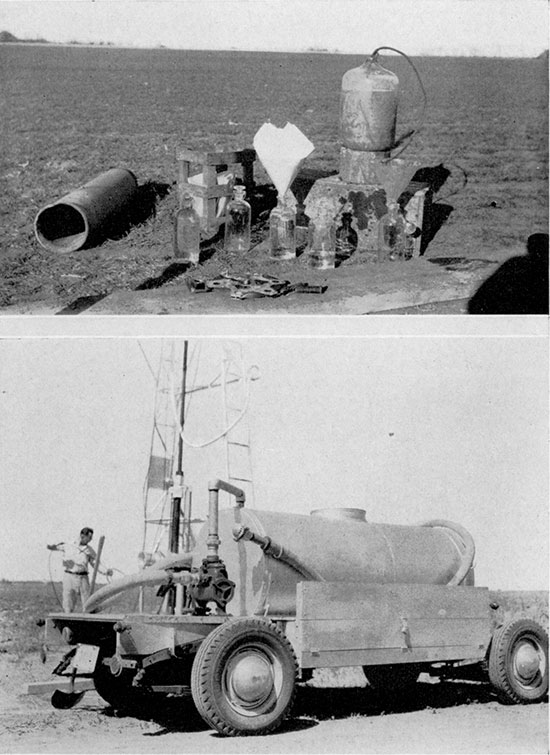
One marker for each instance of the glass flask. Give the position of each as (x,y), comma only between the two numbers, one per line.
(237,222)
(282,231)
(394,243)
(346,236)
(187,232)
(322,245)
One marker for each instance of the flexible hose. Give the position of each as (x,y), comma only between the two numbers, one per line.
(469,553)
(410,134)
(273,550)
(145,577)
(52,582)
(248,379)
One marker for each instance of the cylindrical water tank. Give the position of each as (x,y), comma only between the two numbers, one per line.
(368,107)
(338,550)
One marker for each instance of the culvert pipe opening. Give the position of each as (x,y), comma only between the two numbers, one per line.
(62,228)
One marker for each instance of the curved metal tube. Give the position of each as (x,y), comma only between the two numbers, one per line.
(273,550)
(85,214)
(470,548)
(146,577)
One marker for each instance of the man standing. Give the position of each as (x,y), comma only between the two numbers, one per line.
(76,558)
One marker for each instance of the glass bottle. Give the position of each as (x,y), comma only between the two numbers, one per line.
(322,244)
(346,237)
(237,222)
(394,243)
(187,231)
(282,230)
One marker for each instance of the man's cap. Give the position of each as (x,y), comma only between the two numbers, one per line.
(86,531)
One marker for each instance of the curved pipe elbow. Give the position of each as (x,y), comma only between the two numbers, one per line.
(467,560)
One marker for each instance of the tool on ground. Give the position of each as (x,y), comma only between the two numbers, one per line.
(252,286)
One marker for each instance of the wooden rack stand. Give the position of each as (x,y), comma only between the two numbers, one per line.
(210,164)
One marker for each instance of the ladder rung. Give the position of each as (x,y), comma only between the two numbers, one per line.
(238,443)
(240,479)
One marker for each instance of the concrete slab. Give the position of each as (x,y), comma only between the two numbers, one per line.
(351,290)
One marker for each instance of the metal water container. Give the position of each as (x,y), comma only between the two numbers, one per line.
(331,545)
(368,107)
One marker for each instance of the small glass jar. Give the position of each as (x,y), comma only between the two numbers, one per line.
(237,222)
(394,243)
(187,232)
(346,237)
(322,245)
(282,231)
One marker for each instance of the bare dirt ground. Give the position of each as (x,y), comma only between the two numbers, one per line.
(438,718)
(72,113)
(447,717)
(335,713)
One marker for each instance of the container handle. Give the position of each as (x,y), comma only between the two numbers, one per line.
(406,138)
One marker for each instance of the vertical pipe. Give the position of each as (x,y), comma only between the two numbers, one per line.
(175,514)
(96,564)
(187,521)
(213,540)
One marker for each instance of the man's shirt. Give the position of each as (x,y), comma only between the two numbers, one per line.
(77,557)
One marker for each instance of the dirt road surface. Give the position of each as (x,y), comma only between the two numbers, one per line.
(437,718)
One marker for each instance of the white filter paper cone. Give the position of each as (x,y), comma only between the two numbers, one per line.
(281,150)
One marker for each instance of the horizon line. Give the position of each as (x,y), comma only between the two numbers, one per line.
(312,51)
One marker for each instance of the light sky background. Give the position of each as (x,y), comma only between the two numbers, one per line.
(507,28)
(409,429)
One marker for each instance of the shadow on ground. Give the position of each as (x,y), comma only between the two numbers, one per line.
(313,705)
(142,208)
(519,286)
(81,304)
(437,212)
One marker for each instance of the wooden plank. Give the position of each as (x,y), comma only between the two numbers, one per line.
(229,157)
(207,192)
(41,688)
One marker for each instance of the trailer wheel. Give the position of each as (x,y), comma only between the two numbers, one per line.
(243,677)
(518,662)
(391,677)
(118,691)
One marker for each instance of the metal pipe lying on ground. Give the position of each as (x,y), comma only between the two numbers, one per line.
(86,214)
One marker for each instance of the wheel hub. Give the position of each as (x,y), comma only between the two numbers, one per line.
(250,679)
(527,662)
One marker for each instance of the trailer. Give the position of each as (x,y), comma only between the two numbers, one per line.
(266,598)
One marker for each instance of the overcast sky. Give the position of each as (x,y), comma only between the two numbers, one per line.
(409,429)
(435,27)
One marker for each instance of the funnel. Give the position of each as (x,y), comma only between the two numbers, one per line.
(395,175)
(281,150)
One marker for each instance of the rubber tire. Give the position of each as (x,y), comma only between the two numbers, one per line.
(118,691)
(508,687)
(393,677)
(211,667)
